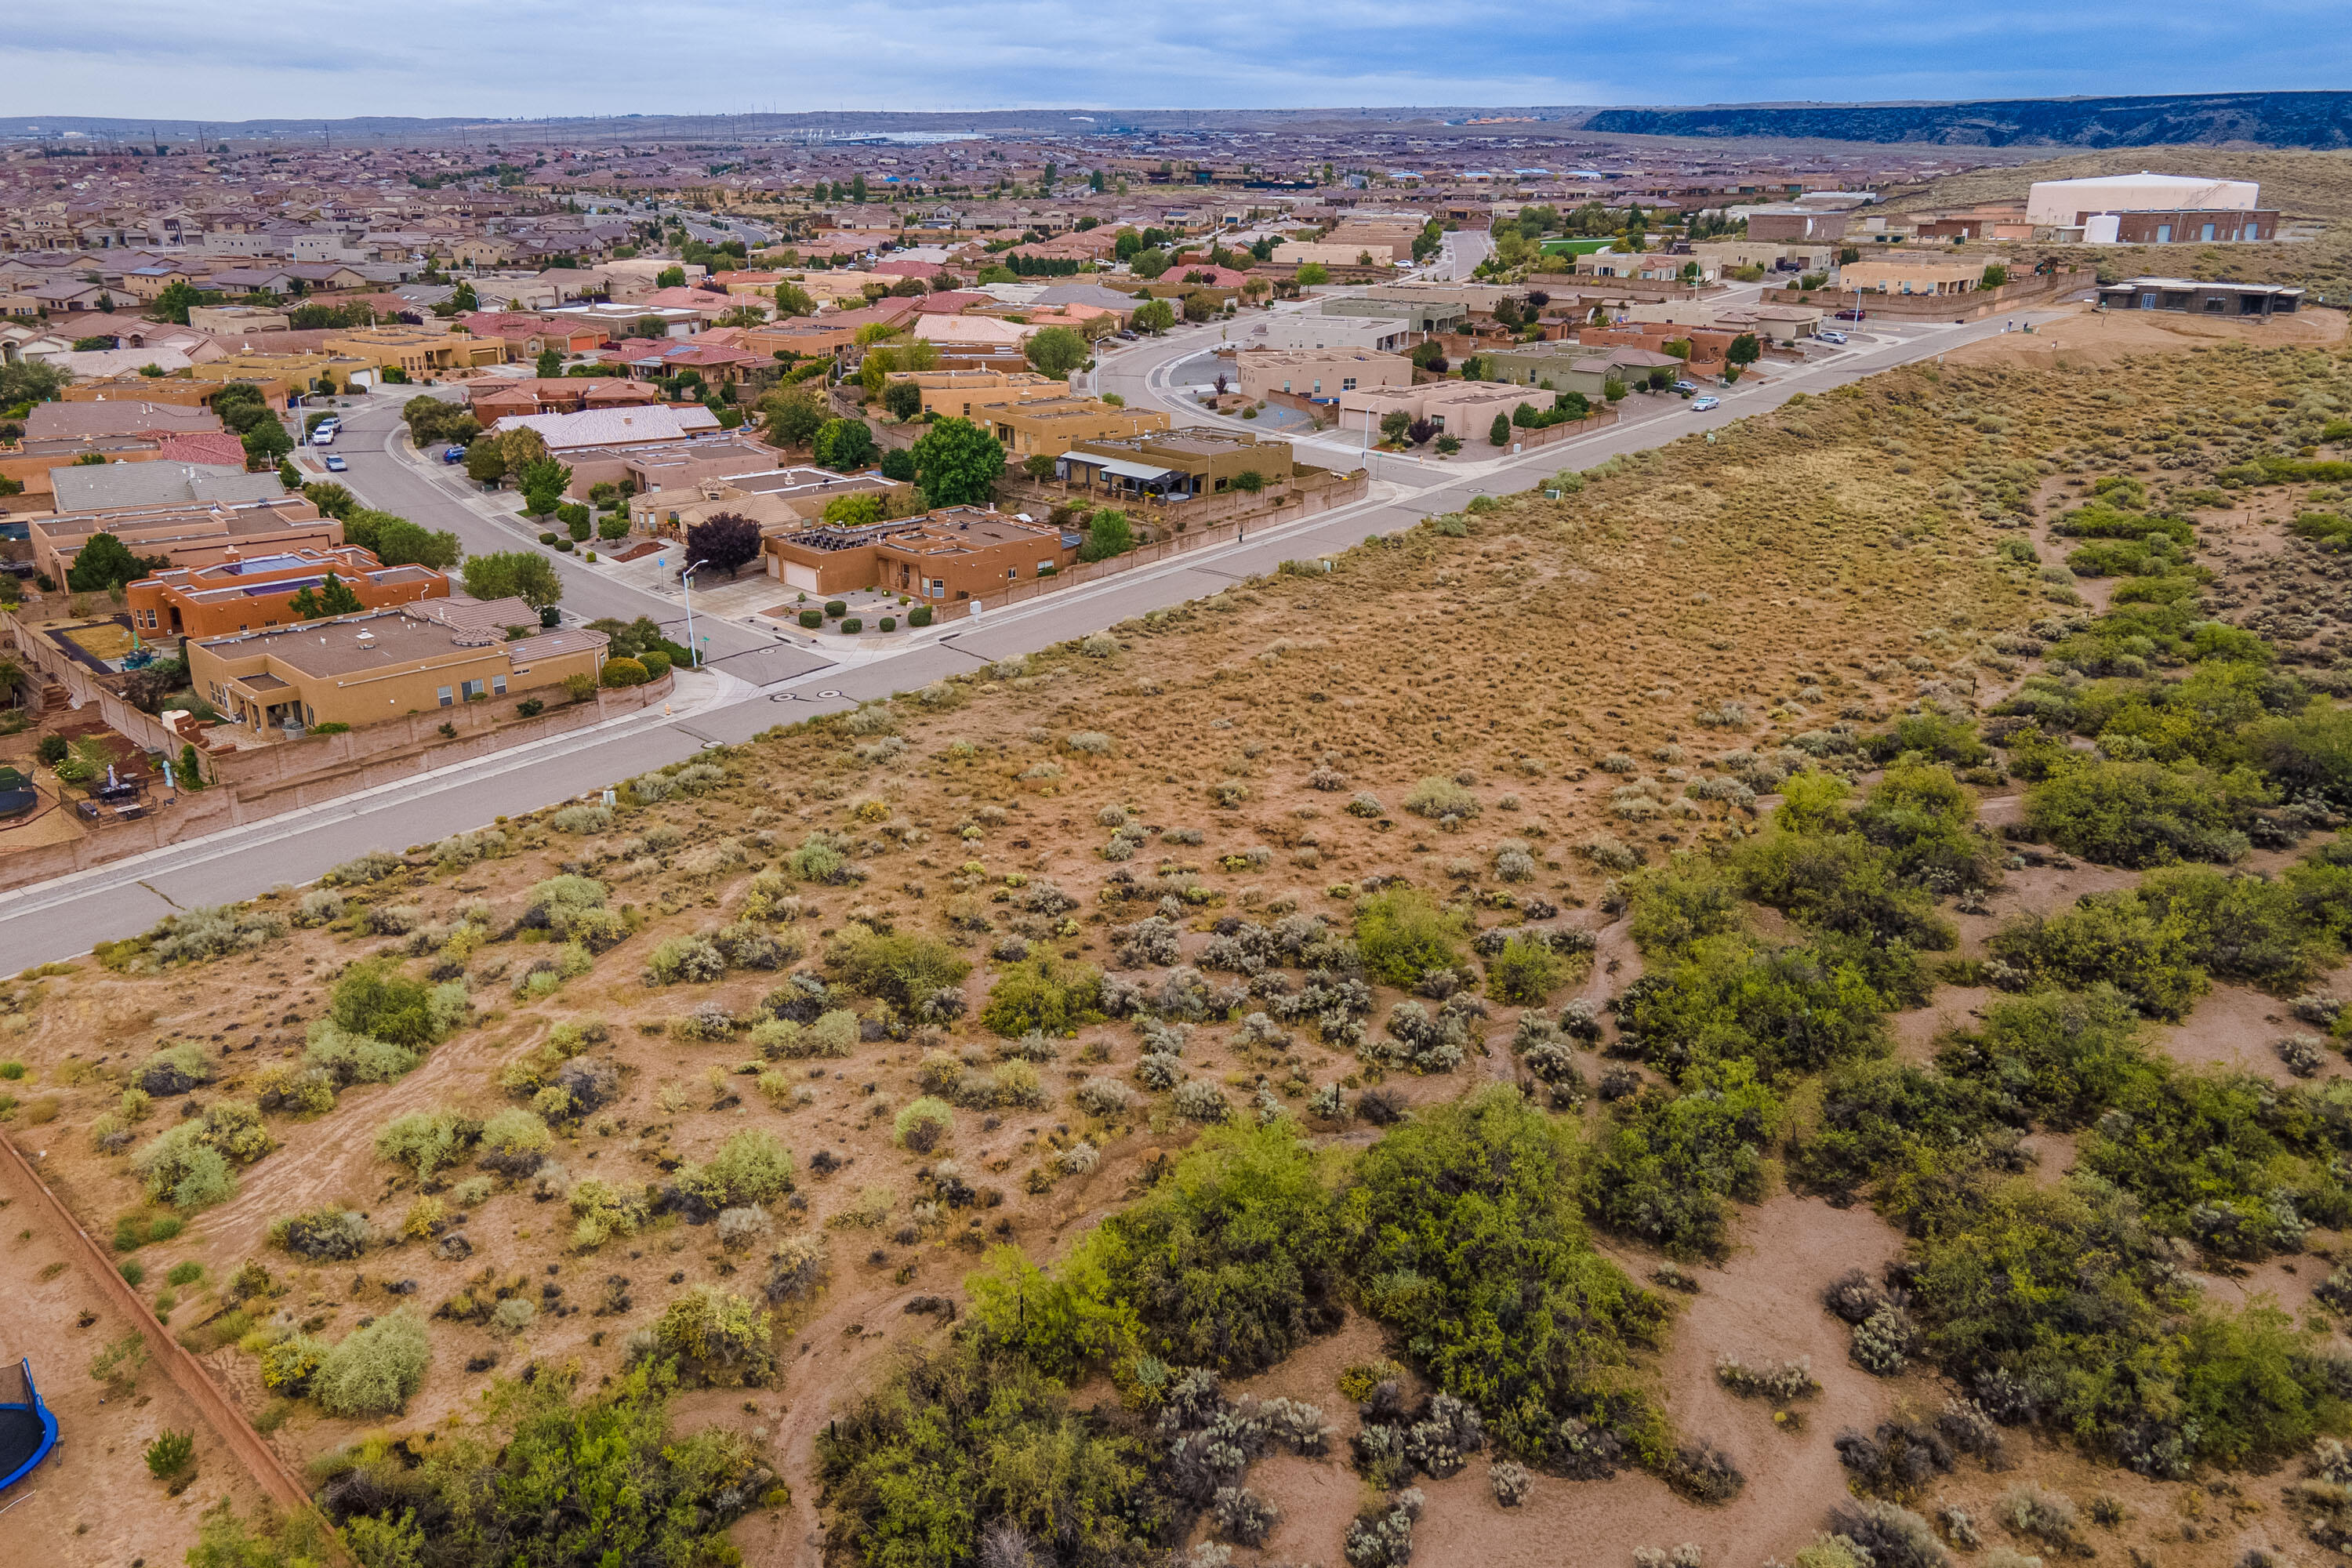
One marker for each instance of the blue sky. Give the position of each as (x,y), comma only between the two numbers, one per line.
(238,58)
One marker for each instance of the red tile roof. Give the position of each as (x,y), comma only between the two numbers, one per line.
(217,448)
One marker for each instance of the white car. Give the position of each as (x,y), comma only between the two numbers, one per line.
(1830,337)
(1702,405)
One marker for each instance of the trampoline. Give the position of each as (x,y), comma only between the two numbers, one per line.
(27,1430)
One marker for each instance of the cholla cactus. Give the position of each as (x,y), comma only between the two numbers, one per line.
(1511,1482)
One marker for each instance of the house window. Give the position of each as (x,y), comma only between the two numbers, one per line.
(445,697)
(1348,385)
(1286,387)
(2164,233)
(1013,571)
(1319,387)
(473,690)
(499,685)
(2209,231)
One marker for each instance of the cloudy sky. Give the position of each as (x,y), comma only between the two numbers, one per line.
(231,60)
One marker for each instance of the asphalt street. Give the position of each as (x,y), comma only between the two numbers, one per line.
(756,681)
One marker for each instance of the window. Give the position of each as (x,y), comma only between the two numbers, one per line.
(1348,385)
(1319,386)
(2209,231)
(1013,571)
(1286,387)
(499,684)
(2164,233)
(473,691)
(445,697)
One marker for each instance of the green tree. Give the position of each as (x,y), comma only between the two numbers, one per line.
(1995,275)
(1499,435)
(1056,351)
(400,543)
(523,574)
(904,399)
(1313,273)
(792,300)
(1613,390)
(551,363)
(486,462)
(171,304)
(332,598)
(542,481)
(1153,316)
(37,381)
(1109,533)
(957,463)
(104,562)
(1148,263)
(796,414)
(1394,424)
(670,278)
(264,444)
(1744,349)
(843,444)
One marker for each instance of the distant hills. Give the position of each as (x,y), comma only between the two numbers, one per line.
(2319,120)
(2314,119)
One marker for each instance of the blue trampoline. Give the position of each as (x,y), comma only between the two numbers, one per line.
(27,1430)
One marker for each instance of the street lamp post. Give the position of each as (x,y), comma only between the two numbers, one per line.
(686,583)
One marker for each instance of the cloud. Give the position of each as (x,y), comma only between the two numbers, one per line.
(235,59)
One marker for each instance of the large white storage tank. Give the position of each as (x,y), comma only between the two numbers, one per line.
(2058,202)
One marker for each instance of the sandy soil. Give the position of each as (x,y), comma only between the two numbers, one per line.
(2088,336)
(2234,1026)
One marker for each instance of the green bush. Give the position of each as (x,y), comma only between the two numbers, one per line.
(2244,928)
(548,1480)
(851,626)
(375,998)
(1893,1126)
(1461,1228)
(427,1141)
(1401,936)
(2137,815)
(812,619)
(1668,1163)
(2309,753)
(1840,882)
(2059,1057)
(959,1437)
(1525,972)
(923,1123)
(1436,798)
(1793,1009)
(1042,992)
(717,1338)
(1675,905)
(1232,1261)
(620,672)
(920,616)
(751,1167)
(2110,938)
(904,969)
(373,1371)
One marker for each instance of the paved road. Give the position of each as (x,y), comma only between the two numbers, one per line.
(60,918)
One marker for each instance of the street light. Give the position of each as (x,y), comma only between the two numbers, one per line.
(686,583)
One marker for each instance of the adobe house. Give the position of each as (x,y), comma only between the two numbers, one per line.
(240,592)
(955,553)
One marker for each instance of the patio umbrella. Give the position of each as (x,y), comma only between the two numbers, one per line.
(110,783)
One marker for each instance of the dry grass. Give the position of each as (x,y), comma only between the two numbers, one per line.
(1833,561)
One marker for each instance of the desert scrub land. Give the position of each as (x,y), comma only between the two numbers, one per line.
(1784,1002)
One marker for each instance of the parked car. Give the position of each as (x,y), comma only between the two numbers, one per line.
(335,464)
(1701,405)
(453,453)
(1853,315)
(324,436)
(1830,336)
(1686,388)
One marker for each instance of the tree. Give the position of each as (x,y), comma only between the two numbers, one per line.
(332,598)
(542,481)
(1148,264)
(861,510)
(1039,465)
(899,464)
(1995,275)
(843,444)
(792,300)
(524,574)
(37,381)
(1153,316)
(486,462)
(171,304)
(1313,273)
(1613,389)
(957,463)
(1199,305)
(1109,533)
(670,278)
(1419,432)
(104,564)
(523,446)
(1499,435)
(904,399)
(796,414)
(551,363)
(727,540)
(264,444)
(1394,424)
(1744,349)
(400,543)
(1056,351)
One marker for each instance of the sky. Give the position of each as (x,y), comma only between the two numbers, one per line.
(233,60)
